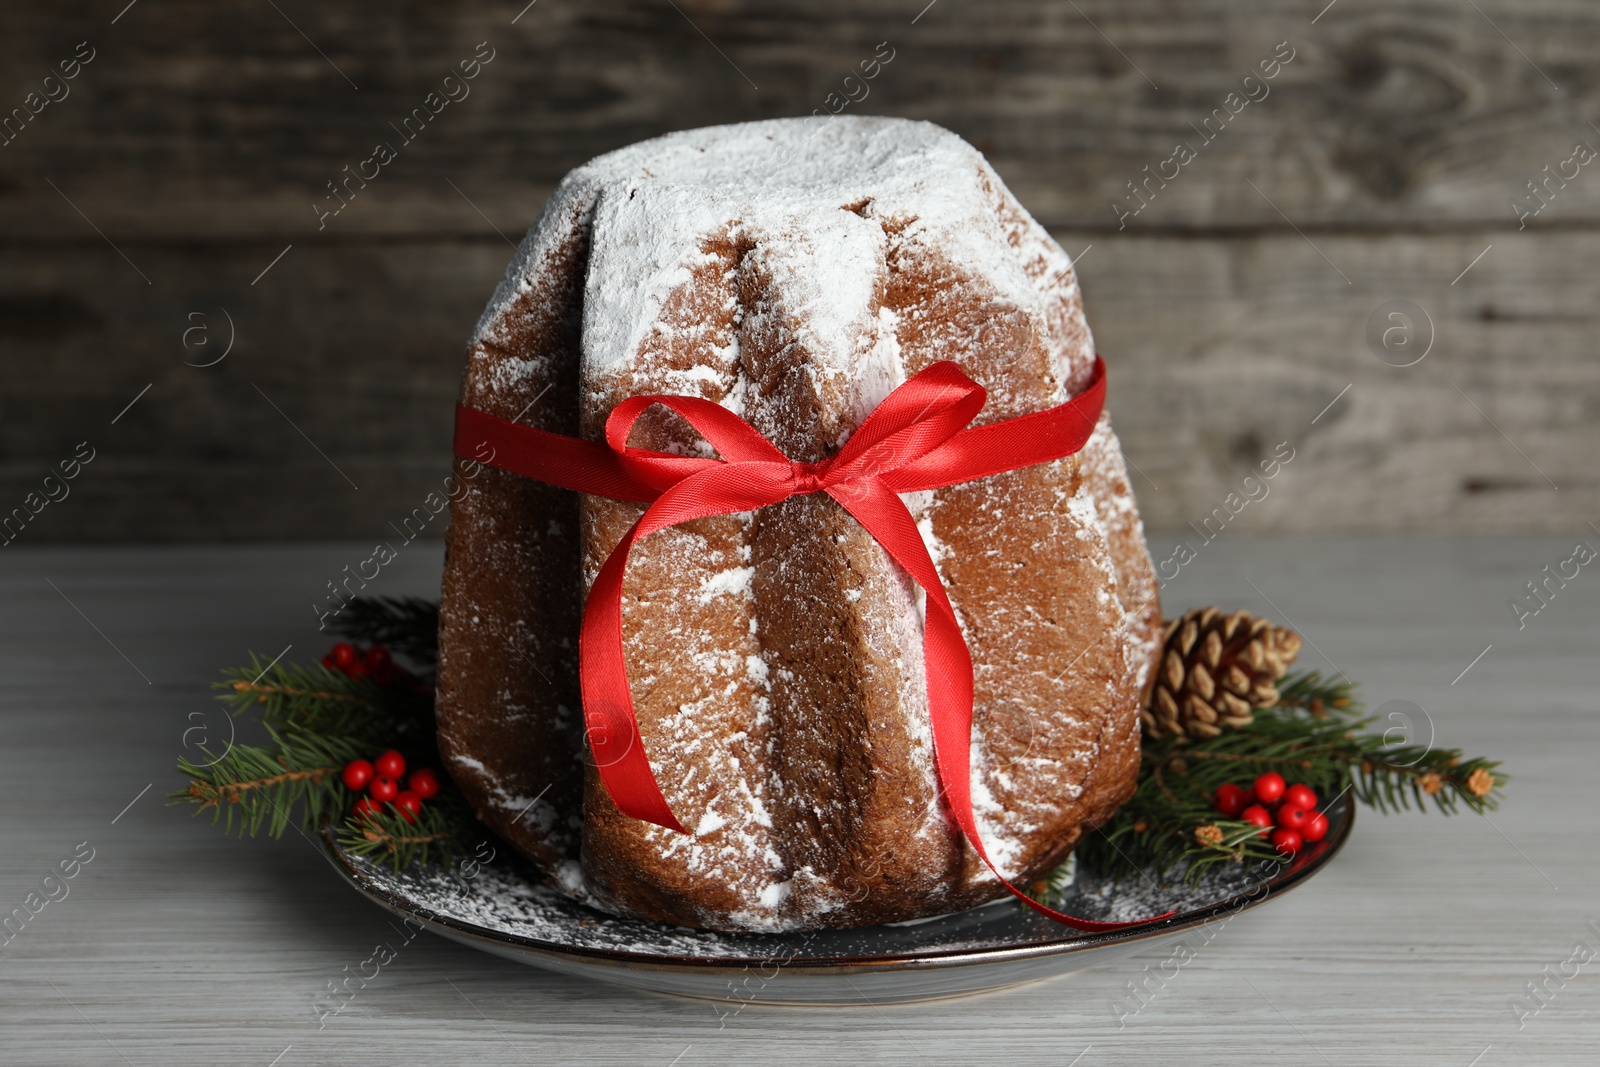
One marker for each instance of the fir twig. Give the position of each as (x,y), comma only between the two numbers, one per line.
(409,626)
(317,720)
(1170,823)
(439,832)
(314,699)
(1318,695)
(294,783)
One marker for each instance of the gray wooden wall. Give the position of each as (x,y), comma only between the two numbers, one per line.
(165,200)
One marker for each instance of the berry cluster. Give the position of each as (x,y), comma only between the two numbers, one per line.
(1287,813)
(381,780)
(374,663)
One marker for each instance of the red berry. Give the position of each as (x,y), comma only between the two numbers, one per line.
(357,773)
(424,783)
(1269,787)
(328,662)
(408,804)
(1286,841)
(377,656)
(364,808)
(344,654)
(1316,827)
(391,764)
(383,789)
(357,670)
(1231,800)
(1301,796)
(1258,816)
(1293,817)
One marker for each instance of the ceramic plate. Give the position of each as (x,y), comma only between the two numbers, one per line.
(503,907)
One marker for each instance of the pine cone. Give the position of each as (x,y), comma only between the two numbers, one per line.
(1215,671)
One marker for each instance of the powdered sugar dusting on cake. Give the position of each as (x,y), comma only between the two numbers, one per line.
(1118,515)
(817,214)
(826,263)
(569,210)
(997,826)
(735,581)
(529,808)
(647,238)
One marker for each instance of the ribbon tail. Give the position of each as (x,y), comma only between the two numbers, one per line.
(609,722)
(948,666)
(608,714)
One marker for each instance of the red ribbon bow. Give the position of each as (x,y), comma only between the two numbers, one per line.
(916,439)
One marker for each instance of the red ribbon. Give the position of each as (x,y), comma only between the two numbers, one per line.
(916,439)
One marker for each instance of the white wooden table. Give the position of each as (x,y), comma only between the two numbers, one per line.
(175,945)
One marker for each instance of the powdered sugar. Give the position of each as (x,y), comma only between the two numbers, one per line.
(709,823)
(504,899)
(815,218)
(996,826)
(527,807)
(734,581)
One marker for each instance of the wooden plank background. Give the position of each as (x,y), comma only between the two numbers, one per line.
(186,156)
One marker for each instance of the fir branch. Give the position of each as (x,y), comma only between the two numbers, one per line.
(438,832)
(294,783)
(408,626)
(1320,696)
(1161,835)
(1415,774)
(315,699)
(317,720)
(1170,823)
(1057,882)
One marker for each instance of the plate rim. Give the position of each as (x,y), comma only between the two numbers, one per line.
(1296,874)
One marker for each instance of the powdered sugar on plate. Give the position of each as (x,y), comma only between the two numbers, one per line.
(504,899)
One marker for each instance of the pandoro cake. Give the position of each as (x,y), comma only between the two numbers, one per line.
(795,272)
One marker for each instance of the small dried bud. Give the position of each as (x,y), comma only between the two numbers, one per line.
(1431,783)
(1366,766)
(1479,782)
(1140,827)
(1317,709)
(1179,765)
(1209,835)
